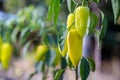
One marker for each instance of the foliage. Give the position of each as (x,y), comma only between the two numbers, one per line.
(13,6)
(88,64)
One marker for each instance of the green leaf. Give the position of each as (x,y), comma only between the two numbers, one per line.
(25,48)
(51,9)
(57,59)
(93,23)
(103,28)
(14,34)
(84,68)
(31,75)
(116,9)
(71,5)
(52,39)
(106,1)
(92,64)
(54,10)
(61,38)
(61,1)
(69,63)
(63,63)
(50,57)
(58,74)
(96,1)
(40,66)
(24,34)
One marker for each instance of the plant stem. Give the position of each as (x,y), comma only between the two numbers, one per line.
(76,74)
(45,70)
(44,77)
(83,1)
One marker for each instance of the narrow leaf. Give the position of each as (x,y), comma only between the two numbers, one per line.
(61,38)
(50,57)
(51,9)
(25,48)
(31,75)
(24,34)
(106,1)
(61,1)
(116,9)
(14,34)
(39,66)
(84,68)
(71,5)
(96,1)
(58,74)
(56,10)
(103,28)
(93,23)
(69,63)
(92,64)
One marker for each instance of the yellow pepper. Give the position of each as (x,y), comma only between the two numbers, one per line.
(82,14)
(6,54)
(71,21)
(41,52)
(74,42)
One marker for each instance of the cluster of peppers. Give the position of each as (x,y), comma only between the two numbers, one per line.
(77,23)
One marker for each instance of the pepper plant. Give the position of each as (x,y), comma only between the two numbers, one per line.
(81,21)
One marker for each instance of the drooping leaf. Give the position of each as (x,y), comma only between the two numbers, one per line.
(61,1)
(71,5)
(39,66)
(93,23)
(84,68)
(106,1)
(50,57)
(31,75)
(25,48)
(58,74)
(116,9)
(54,9)
(69,63)
(92,64)
(50,9)
(24,34)
(61,38)
(14,34)
(96,1)
(52,39)
(57,59)
(103,29)
(63,63)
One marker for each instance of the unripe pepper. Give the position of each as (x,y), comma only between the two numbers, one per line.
(82,14)
(6,54)
(74,42)
(70,21)
(41,52)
